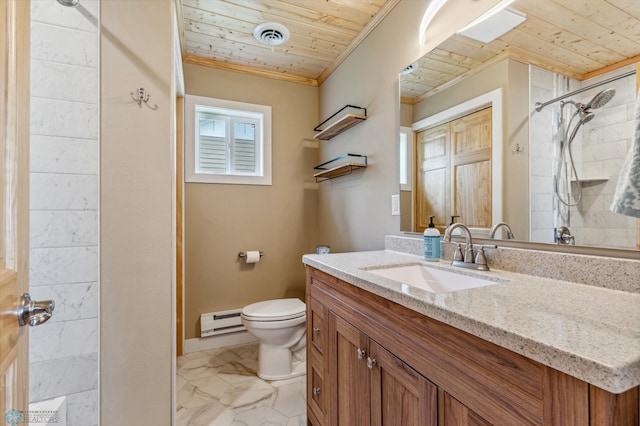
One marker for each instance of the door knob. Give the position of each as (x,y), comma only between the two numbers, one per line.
(371,362)
(33,313)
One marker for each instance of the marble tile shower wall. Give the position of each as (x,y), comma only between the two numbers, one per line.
(541,153)
(544,85)
(63,355)
(599,150)
(603,148)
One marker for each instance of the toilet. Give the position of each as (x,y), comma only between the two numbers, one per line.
(280,327)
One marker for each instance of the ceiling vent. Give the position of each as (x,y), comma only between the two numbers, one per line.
(271,33)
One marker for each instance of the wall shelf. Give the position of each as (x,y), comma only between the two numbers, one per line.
(347,117)
(340,166)
(592,180)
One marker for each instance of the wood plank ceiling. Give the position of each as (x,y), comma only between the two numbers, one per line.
(219,34)
(576,38)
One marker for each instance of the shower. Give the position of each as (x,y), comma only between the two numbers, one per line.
(68,3)
(566,166)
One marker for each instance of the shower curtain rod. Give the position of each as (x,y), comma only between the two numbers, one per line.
(539,105)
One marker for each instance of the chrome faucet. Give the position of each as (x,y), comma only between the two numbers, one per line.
(479,262)
(499,225)
(468,250)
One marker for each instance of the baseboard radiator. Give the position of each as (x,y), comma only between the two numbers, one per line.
(222,322)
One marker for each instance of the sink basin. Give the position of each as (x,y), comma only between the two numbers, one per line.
(431,279)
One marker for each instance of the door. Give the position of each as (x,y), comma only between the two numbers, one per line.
(471,172)
(454,413)
(399,395)
(433,184)
(16,308)
(454,172)
(349,349)
(14,122)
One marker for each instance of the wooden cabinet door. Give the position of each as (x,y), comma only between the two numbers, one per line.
(399,395)
(454,413)
(351,377)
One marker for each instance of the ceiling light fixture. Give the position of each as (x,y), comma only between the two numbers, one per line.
(494,23)
(428,16)
(271,33)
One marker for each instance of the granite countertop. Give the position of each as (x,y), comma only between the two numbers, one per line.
(588,332)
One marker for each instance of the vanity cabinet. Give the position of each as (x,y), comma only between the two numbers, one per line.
(317,395)
(374,362)
(455,413)
(373,387)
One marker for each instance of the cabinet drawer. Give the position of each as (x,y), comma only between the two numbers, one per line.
(317,394)
(317,331)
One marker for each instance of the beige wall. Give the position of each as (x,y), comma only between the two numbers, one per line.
(513,78)
(355,211)
(222,220)
(137,232)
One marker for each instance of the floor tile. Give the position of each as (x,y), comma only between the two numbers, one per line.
(220,387)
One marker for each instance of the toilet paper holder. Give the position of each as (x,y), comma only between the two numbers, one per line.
(243,254)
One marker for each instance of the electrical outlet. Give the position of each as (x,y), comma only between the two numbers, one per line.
(395,205)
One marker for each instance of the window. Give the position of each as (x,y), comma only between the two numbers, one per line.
(406,158)
(227,142)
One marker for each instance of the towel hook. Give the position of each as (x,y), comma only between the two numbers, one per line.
(143,96)
(518,149)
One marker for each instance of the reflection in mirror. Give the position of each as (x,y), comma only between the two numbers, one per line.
(560,164)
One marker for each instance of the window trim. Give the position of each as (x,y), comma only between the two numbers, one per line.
(235,109)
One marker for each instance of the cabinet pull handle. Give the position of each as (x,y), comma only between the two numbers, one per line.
(371,362)
(361,353)
(316,330)
(316,391)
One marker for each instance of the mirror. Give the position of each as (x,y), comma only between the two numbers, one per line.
(563,50)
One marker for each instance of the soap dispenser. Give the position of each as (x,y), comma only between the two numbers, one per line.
(457,231)
(431,242)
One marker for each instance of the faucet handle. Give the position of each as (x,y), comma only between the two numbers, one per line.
(489,246)
(457,254)
(468,253)
(481,259)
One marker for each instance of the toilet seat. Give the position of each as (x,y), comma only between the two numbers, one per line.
(274,310)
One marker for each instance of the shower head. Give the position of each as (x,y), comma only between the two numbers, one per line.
(586,116)
(601,99)
(68,3)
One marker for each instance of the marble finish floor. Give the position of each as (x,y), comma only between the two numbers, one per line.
(219,387)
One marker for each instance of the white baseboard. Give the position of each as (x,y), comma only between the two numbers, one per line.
(213,342)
